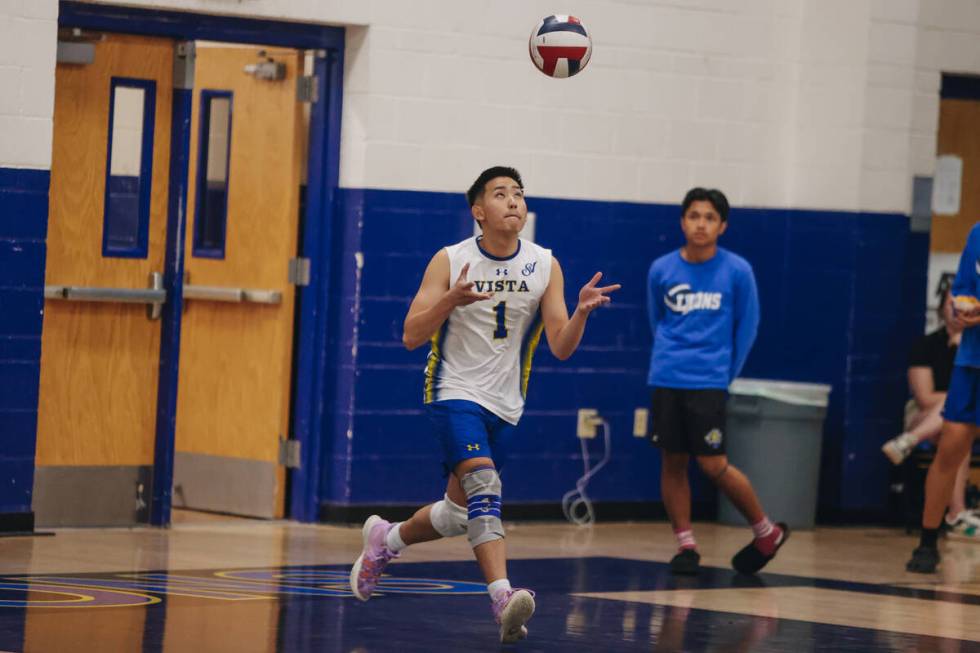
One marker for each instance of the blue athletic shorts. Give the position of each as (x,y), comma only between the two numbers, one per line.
(468,430)
(962,403)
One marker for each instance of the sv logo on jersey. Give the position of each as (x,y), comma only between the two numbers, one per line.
(681,299)
(529,268)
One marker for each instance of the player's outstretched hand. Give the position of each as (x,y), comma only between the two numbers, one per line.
(592,297)
(462,293)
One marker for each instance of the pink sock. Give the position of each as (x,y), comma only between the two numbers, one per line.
(762,528)
(767,543)
(685,539)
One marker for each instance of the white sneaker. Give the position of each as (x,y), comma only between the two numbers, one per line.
(898,449)
(375,556)
(966,526)
(511,609)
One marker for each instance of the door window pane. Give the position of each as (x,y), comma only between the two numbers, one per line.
(126,216)
(211,213)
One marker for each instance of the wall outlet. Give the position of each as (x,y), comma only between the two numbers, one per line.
(641,418)
(587,418)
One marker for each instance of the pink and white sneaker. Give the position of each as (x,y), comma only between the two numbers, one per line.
(512,609)
(375,556)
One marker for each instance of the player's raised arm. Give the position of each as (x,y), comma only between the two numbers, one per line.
(435,300)
(565,333)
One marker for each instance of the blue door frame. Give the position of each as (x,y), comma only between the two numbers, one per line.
(309,372)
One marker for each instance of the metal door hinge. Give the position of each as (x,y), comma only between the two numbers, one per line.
(289,453)
(299,271)
(184,56)
(308,89)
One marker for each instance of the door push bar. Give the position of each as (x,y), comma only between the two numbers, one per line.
(154,296)
(235,295)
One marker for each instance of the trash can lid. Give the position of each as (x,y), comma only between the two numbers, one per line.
(790,392)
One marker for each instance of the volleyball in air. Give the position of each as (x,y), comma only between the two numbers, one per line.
(560,46)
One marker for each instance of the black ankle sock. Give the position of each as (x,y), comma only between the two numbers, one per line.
(929,537)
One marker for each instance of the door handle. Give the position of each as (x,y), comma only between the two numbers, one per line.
(154,296)
(233,295)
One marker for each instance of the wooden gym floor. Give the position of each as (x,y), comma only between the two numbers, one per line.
(226,584)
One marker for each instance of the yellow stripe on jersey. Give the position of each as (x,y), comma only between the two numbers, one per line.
(532,343)
(432,367)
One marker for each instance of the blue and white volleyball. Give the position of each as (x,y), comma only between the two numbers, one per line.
(560,46)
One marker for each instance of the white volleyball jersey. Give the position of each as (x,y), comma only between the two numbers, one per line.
(483,351)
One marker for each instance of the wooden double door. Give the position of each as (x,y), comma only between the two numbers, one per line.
(101,355)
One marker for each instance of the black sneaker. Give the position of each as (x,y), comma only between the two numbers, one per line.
(750,559)
(924,560)
(687,562)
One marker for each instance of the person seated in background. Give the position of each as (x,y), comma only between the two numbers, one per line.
(930,367)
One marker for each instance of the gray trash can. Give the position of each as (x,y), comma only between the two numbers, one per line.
(775,429)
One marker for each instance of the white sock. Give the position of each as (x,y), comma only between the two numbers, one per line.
(498,586)
(393,540)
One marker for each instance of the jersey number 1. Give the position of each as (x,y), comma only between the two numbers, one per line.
(501,331)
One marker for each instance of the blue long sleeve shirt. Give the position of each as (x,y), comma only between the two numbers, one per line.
(967,282)
(704,318)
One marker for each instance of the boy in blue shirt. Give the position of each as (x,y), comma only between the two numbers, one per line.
(961,412)
(704,314)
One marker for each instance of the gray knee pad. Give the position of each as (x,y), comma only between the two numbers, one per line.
(482,488)
(447,518)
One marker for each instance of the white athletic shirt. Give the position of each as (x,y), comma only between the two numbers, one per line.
(483,351)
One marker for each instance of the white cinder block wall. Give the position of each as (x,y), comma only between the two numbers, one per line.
(800,103)
(28,40)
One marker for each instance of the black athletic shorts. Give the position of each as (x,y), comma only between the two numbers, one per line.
(688,421)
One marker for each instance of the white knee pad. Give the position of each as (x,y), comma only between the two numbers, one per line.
(482,487)
(447,518)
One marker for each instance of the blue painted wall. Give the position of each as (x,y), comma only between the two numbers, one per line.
(23,225)
(842,296)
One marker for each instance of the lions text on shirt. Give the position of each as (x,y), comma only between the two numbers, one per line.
(483,351)
(704,317)
(967,282)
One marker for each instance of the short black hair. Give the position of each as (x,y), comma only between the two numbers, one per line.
(476,190)
(713,195)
